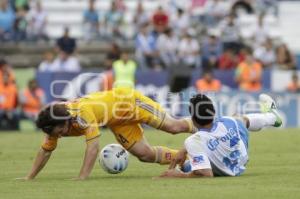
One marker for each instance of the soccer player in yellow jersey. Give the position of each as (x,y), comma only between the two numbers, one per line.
(123,111)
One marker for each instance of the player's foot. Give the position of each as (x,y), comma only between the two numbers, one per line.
(268,105)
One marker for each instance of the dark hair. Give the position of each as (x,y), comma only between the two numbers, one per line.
(32,81)
(180,11)
(2,62)
(202,109)
(248,50)
(52,116)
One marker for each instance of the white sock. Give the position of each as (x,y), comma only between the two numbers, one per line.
(257,121)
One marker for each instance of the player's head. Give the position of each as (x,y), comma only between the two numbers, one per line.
(208,76)
(32,84)
(202,110)
(54,119)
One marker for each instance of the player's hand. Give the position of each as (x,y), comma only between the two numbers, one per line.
(26,178)
(78,178)
(179,159)
(171,173)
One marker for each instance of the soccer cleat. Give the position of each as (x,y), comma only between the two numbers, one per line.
(268,105)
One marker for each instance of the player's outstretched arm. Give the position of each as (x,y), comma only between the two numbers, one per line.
(179,160)
(176,126)
(39,163)
(90,157)
(174,173)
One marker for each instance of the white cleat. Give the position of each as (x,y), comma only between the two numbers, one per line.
(268,105)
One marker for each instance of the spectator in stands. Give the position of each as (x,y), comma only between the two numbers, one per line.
(121,6)
(249,73)
(230,34)
(294,86)
(9,119)
(211,52)
(20,25)
(21,4)
(167,44)
(38,23)
(145,52)
(6,70)
(261,33)
(140,16)
(180,22)
(242,7)
(285,58)
(267,6)
(66,43)
(208,83)
(215,10)
(228,60)
(160,20)
(65,63)
(32,100)
(113,21)
(91,22)
(189,50)
(106,80)
(241,56)
(196,8)
(124,71)
(112,55)
(7,18)
(265,54)
(46,64)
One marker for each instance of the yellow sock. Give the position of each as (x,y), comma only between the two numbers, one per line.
(164,155)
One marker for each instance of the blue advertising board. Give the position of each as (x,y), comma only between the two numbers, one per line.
(155,85)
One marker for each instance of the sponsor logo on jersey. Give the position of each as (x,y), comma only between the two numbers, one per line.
(232,136)
(168,156)
(198,159)
(82,123)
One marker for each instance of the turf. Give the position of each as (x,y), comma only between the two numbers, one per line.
(273,171)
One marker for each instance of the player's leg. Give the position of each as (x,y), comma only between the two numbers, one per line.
(132,139)
(152,154)
(151,113)
(267,118)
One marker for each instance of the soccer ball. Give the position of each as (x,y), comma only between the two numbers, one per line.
(113,158)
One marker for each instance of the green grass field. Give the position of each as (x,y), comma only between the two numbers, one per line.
(273,171)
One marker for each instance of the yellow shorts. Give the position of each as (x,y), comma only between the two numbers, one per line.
(146,112)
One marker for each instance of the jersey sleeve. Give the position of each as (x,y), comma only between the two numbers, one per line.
(198,158)
(86,122)
(49,143)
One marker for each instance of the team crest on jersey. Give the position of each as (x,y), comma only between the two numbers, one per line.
(168,156)
(198,159)
(81,123)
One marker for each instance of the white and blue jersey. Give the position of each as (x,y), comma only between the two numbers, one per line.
(223,148)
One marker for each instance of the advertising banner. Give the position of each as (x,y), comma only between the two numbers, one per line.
(155,85)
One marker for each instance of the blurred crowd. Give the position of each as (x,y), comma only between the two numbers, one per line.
(17,104)
(19,21)
(208,35)
(197,34)
(203,35)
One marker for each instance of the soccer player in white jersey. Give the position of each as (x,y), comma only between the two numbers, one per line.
(220,147)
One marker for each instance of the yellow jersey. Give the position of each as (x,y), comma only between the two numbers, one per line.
(121,109)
